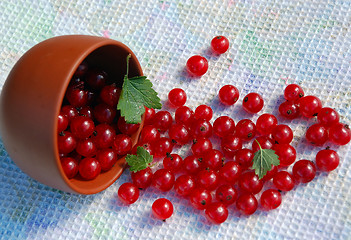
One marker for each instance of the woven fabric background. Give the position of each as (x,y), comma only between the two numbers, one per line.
(272,43)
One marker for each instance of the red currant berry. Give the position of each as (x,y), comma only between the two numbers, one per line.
(86,111)
(317,134)
(163,180)
(327,160)
(340,134)
(110,95)
(253,103)
(293,92)
(201,146)
(147,146)
(289,110)
(266,123)
(328,116)
(122,144)
(203,112)
(66,142)
(230,172)
(104,113)
(172,162)
(127,128)
(220,44)
(270,174)
(128,193)
(226,194)
(230,144)
(207,179)
(244,157)
(69,111)
(201,128)
(282,134)
(62,123)
(184,185)
(264,141)
(89,168)
(96,79)
(107,158)
(216,213)
(286,154)
(192,164)
(184,115)
(179,134)
(177,97)
(247,203)
(271,199)
(82,127)
(82,69)
(197,65)
(149,115)
(310,106)
(284,181)
(200,198)
(162,146)
(245,130)
(162,208)
(304,171)
(250,182)
(69,166)
(104,135)
(223,125)
(142,178)
(213,159)
(149,133)
(162,120)
(228,94)
(86,148)
(76,96)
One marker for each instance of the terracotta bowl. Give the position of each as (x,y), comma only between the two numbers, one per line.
(32,96)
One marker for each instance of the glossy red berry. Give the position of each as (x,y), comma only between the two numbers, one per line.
(340,134)
(271,199)
(76,96)
(244,157)
(69,166)
(228,94)
(104,113)
(103,135)
(192,164)
(200,198)
(184,185)
(86,148)
(289,110)
(310,106)
(317,134)
(127,128)
(201,146)
(66,142)
(245,130)
(149,115)
(163,180)
(328,116)
(82,69)
(184,115)
(107,158)
(207,179)
(179,134)
(162,146)
(250,182)
(142,178)
(220,44)
(226,194)
(149,134)
(230,144)
(283,181)
(327,160)
(203,112)
(247,203)
(62,122)
(86,111)
(69,111)
(253,103)
(96,79)
(304,171)
(197,65)
(230,172)
(213,159)
(270,174)
(82,127)
(216,213)
(122,144)
(128,193)
(172,162)
(110,95)
(293,92)
(162,120)
(162,208)
(223,125)
(177,97)
(201,128)
(264,141)
(265,123)
(89,168)
(282,134)
(286,154)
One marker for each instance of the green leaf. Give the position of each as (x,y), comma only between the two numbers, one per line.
(139,161)
(136,93)
(263,161)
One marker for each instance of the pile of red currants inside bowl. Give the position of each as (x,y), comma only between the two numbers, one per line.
(91,133)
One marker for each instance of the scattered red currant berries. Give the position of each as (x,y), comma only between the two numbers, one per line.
(162,208)
(253,103)
(177,97)
(197,65)
(128,193)
(228,94)
(220,44)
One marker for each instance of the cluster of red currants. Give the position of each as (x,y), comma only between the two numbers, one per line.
(214,179)
(91,133)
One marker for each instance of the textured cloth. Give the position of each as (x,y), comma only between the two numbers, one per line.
(272,43)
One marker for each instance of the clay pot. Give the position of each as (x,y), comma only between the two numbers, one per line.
(31,99)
